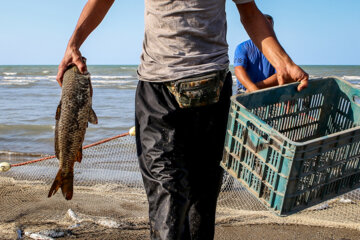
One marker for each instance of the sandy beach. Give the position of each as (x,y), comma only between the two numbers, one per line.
(119,212)
(109,203)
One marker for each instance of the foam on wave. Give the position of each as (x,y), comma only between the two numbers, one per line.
(9,73)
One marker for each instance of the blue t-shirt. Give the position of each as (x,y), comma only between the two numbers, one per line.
(255,63)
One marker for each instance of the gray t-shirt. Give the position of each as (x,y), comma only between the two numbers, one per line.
(183,38)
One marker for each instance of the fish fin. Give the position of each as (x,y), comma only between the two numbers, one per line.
(57,149)
(63,182)
(92,117)
(56,146)
(67,186)
(78,157)
(58,111)
(56,184)
(57,118)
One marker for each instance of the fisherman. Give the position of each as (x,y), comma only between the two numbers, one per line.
(252,70)
(182,102)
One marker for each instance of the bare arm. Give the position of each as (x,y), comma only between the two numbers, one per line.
(243,77)
(269,82)
(264,38)
(91,16)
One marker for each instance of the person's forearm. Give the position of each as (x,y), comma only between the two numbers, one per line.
(91,16)
(262,34)
(269,82)
(244,79)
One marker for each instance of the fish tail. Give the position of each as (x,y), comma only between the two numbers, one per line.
(65,182)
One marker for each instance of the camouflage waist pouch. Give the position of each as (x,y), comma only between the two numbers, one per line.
(198,91)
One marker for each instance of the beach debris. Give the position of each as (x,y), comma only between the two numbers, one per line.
(38,236)
(5,166)
(320,207)
(54,233)
(76,225)
(19,233)
(49,234)
(72,116)
(132,131)
(343,200)
(108,223)
(73,216)
(105,222)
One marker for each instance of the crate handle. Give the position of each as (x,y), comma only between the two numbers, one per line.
(356,99)
(264,135)
(256,121)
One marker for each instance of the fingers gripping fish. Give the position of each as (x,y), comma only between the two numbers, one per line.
(72,117)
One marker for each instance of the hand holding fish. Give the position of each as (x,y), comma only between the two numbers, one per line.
(72,57)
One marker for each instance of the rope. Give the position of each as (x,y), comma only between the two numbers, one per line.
(87,146)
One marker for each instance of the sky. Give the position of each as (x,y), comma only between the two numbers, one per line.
(36,32)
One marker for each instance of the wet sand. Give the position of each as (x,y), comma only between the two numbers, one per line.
(248,232)
(119,212)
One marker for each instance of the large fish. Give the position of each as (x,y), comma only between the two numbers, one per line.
(72,117)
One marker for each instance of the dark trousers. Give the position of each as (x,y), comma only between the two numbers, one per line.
(179,153)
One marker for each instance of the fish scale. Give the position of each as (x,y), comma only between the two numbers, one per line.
(72,117)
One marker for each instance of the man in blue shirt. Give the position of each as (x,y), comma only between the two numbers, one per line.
(253,71)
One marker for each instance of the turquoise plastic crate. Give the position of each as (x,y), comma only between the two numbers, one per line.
(295,149)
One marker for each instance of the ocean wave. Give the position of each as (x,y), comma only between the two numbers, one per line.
(17,82)
(112,77)
(129,86)
(45,71)
(351,78)
(35,128)
(130,68)
(94,77)
(4,152)
(9,73)
(112,82)
(26,81)
(27,78)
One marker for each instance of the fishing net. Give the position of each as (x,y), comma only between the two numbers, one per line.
(109,199)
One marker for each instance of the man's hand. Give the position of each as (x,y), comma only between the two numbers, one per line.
(293,73)
(72,57)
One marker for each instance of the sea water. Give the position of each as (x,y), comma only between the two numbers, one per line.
(29,96)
